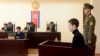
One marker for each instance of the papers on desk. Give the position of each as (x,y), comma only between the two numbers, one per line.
(48,30)
(24,30)
(11,37)
(2,31)
(56,39)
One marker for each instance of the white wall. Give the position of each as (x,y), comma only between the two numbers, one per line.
(57,12)
(96,13)
(15,12)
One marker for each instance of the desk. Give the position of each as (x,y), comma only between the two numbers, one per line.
(38,37)
(3,35)
(13,47)
(51,48)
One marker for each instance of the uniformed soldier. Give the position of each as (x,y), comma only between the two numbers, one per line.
(89,26)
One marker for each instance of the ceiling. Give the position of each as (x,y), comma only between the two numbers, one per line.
(48,1)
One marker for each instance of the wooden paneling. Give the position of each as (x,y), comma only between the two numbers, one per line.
(38,37)
(51,48)
(13,48)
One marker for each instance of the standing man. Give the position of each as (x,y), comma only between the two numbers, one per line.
(89,26)
(78,40)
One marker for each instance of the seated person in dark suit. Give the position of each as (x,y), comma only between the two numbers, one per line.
(19,34)
(5,28)
(51,26)
(10,27)
(30,27)
(78,40)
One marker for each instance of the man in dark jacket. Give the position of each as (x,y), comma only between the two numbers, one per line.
(51,26)
(19,34)
(78,40)
(30,27)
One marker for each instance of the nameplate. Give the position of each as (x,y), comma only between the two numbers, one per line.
(48,30)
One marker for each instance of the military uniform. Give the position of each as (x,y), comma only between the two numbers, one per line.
(89,27)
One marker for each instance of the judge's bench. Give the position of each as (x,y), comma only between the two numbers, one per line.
(9,46)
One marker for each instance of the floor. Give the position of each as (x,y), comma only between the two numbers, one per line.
(97,55)
(33,55)
(34,52)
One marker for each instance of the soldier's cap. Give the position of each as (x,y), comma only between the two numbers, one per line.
(88,6)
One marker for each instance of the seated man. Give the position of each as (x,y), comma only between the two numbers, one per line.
(30,27)
(78,40)
(51,26)
(5,28)
(19,34)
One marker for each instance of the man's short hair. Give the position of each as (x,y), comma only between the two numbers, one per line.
(18,27)
(28,23)
(74,21)
(5,24)
(52,22)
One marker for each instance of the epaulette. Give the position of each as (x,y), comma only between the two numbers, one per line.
(90,16)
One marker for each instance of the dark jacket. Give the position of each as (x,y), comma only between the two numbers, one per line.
(32,29)
(20,35)
(52,28)
(10,28)
(78,40)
